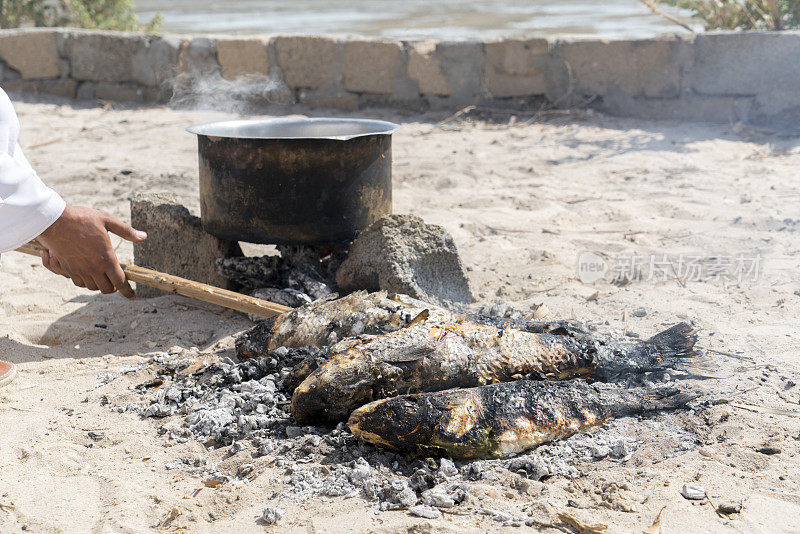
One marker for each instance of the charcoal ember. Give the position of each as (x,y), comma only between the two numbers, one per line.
(252,272)
(298,268)
(287,297)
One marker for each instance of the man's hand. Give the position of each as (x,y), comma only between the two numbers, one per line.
(78,247)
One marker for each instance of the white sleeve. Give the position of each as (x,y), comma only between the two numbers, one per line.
(27,206)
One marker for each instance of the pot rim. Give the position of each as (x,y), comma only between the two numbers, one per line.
(248,128)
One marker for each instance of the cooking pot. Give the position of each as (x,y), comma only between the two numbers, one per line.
(294,180)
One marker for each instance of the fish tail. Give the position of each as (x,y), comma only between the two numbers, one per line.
(675,344)
(634,401)
(672,349)
(667,399)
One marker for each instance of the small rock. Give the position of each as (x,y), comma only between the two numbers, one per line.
(293,432)
(768,450)
(620,449)
(729,507)
(447,468)
(436,498)
(97,435)
(693,492)
(425,511)
(599,451)
(403,254)
(639,312)
(271,515)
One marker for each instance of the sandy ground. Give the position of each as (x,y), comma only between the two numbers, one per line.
(523,201)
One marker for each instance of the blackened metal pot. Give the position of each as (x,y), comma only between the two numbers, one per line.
(294,181)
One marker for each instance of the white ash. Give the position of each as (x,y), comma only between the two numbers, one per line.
(271,515)
(244,406)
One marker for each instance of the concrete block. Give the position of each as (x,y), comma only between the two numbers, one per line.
(326,99)
(370,66)
(7,73)
(156,61)
(32,53)
(516,67)
(307,61)
(402,254)
(64,88)
(689,107)
(176,243)
(119,92)
(103,56)
(425,69)
(239,57)
(763,64)
(198,57)
(644,67)
(463,64)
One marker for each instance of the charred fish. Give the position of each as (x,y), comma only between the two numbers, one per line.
(501,420)
(435,355)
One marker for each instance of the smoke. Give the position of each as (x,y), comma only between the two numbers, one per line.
(245,94)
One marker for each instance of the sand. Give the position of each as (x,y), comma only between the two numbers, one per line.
(523,201)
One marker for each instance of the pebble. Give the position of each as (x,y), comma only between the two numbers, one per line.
(293,432)
(620,449)
(599,451)
(97,435)
(639,312)
(693,492)
(425,511)
(768,450)
(271,515)
(729,507)
(447,468)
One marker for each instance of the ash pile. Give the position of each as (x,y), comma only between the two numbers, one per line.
(410,406)
(381,385)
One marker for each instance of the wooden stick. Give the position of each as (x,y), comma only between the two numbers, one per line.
(189,288)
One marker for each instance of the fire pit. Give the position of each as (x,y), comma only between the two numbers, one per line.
(294,181)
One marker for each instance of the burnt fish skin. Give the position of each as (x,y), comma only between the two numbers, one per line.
(433,356)
(501,420)
(328,321)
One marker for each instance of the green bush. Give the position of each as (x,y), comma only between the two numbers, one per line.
(92,14)
(742,14)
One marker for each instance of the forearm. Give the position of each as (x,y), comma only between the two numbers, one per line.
(28,207)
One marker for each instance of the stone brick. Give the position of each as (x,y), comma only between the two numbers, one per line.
(103,56)
(425,69)
(763,64)
(156,61)
(176,243)
(645,67)
(370,66)
(64,88)
(198,57)
(463,64)
(119,92)
(516,67)
(32,53)
(328,99)
(689,107)
(239,57)
(403,254)
(307,61)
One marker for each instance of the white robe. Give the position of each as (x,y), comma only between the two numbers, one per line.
(27,206)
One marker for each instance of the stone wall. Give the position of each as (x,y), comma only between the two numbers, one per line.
(742,76)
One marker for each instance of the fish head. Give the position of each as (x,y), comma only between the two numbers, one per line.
(332,391)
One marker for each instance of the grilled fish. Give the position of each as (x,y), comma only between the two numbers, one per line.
(501,420)
(327,321)
(435,355)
